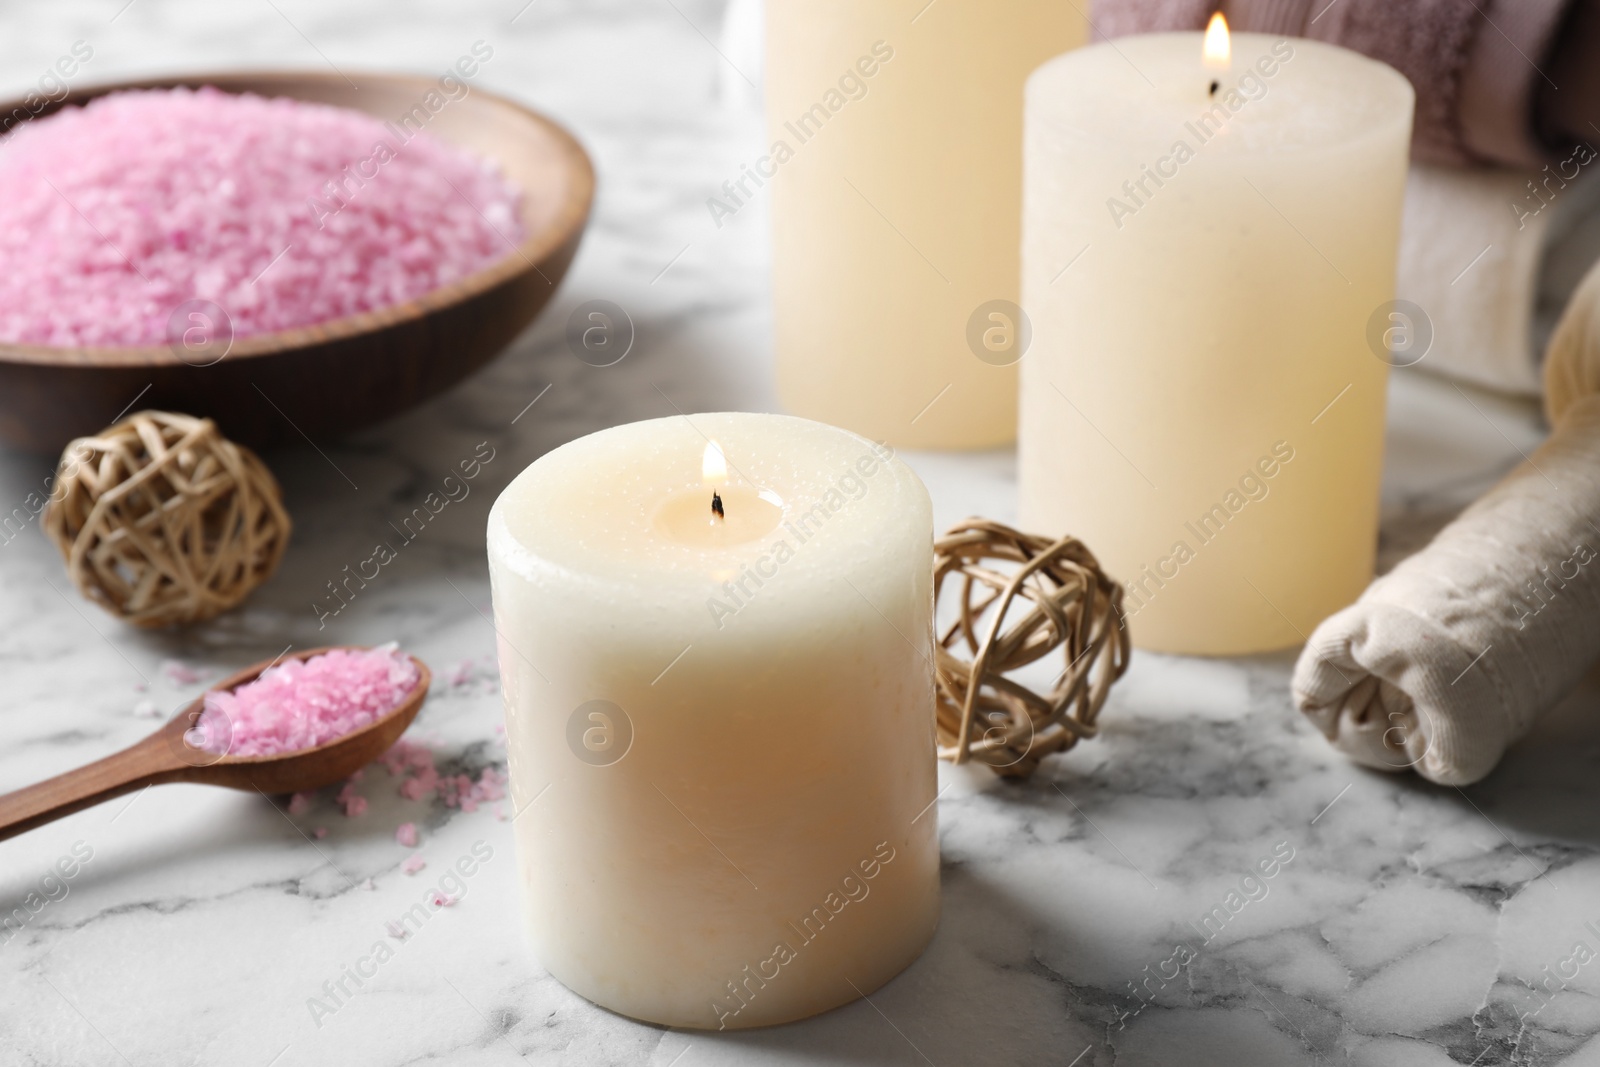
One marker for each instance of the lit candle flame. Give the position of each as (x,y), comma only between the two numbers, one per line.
(713,466)
(1218,49)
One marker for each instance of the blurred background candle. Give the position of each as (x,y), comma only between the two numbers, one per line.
(1207,270)
(720,725)
(896,130)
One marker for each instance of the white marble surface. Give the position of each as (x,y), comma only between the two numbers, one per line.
(1405,930)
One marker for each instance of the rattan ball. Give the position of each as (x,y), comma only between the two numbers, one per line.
(163,521)
(1022,597)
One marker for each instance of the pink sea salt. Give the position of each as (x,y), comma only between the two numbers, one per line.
(177,671)
(460,791)
(414,765)
(301,704)
(413,864)
(405,756)
(283,213)
(406,834)
(416,788)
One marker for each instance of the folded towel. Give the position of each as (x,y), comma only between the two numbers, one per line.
(1486,71)
(1450,657)
(1492,255)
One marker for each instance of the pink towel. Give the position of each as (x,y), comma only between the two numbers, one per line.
(1502,81)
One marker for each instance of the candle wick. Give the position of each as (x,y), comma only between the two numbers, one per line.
(716,505)
(1215,85)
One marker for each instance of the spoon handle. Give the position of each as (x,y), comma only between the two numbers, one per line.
(146,763)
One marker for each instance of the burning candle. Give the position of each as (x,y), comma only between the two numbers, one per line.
(735,513)
(716,649)
(1210,228)
(895,132)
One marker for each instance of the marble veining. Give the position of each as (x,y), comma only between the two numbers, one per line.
(1113,910)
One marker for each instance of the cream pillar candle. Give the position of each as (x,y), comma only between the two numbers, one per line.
(720,726)
(896,129)
(1207,278)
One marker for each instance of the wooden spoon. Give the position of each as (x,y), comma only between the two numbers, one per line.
(167,756)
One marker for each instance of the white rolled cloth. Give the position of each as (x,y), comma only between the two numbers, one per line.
(1494,262)
(1450,657)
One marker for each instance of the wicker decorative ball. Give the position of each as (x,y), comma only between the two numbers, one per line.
(164,521)
(1043,595)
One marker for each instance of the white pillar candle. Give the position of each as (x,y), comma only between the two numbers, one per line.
(896,162)
(720,726)
(1201,403)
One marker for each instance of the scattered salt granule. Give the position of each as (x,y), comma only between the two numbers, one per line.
(367,883)
(406,834)
(177,671)
(347,799)
(415,788)
(500,812)
(460,791)
(146,709)
(441,900)
(282,212)
(414,764)
(404,756)
(413,864)
(301,704)
(300,803)
(396,931)
(320,832)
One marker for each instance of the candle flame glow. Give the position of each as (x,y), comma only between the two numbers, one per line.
(1218,48)
(713,466)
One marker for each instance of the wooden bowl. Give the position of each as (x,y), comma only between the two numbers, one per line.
(318,381)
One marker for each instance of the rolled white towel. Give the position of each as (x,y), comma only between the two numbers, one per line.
(1489,253)
(1449,658)
(743,40)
